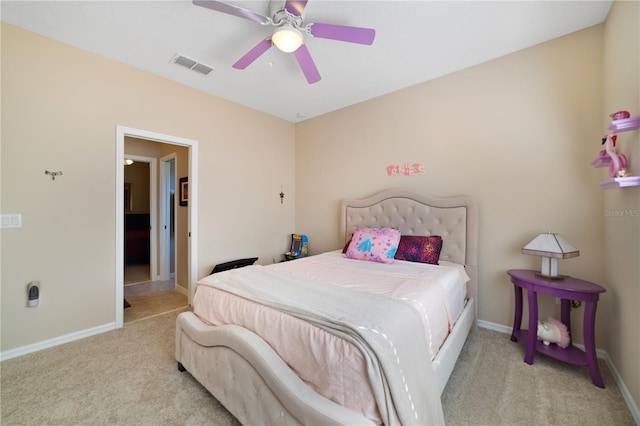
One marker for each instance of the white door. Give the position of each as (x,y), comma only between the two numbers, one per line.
(167,217)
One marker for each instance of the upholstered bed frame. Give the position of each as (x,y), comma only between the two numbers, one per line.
(256,385)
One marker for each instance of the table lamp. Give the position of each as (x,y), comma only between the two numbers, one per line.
(551,247)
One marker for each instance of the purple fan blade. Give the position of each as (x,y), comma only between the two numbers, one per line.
(306,64)
(253,54)
(295,7)
(230,9)
(343,33)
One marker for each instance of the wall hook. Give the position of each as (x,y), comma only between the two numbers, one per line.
(53,174)
(281,196)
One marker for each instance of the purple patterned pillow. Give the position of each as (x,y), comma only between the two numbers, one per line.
(415,248)
(374,244)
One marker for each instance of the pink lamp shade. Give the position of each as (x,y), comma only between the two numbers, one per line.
(550,247)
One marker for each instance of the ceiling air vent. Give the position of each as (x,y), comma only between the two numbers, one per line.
(192,65)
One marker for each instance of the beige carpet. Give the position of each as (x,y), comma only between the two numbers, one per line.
(491,385)
(129,377)
(124,377)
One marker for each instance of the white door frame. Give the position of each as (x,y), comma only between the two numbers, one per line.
(153,212)
(192,221)
(165,215)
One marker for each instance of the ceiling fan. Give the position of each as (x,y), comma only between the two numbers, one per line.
(289,30)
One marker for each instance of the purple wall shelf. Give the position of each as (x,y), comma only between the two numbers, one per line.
(625,125)
(617,126)
(621,182)
(601,161)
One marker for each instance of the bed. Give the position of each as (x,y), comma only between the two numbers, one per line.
(250,377)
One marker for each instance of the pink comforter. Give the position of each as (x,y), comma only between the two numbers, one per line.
(331,366)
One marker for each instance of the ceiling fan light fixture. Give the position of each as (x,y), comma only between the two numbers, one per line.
(287,38)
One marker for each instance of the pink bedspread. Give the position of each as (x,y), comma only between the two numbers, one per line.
(331,366)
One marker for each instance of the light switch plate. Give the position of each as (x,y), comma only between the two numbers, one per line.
(12,221)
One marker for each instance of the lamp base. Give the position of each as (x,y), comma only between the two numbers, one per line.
(551,277)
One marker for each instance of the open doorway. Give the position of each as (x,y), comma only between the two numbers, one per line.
(151,290)
(147,292)
(139,214)
(186,234)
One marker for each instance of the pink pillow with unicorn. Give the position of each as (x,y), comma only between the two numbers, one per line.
(374,244)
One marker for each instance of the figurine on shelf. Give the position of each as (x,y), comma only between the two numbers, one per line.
(618,165)
(620,115)
(603,153)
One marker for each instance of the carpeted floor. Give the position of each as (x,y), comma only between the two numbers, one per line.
(491,385)
(129,377)
(124,377)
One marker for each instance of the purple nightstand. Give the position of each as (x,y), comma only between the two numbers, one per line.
(567,290)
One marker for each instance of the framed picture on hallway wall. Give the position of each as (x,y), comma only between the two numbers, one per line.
(184,191)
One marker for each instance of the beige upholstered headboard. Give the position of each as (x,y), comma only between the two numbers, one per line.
(455,219)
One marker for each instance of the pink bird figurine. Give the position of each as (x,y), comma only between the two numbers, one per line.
(620,115)
(617,167)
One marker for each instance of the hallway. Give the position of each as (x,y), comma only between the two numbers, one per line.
(152,298)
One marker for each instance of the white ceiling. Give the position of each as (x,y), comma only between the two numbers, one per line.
(415,41)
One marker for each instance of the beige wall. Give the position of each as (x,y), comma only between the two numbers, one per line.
(622,206)
(517,133)
(136,176)
(60,109)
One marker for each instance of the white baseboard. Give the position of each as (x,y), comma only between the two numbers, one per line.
(495,327)
(633,407)
(35,347)
(600,353)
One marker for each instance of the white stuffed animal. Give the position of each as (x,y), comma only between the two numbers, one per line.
(553,331)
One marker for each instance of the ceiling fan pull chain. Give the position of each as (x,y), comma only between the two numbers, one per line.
(271,60)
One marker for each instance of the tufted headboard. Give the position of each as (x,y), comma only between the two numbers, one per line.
(455,219)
